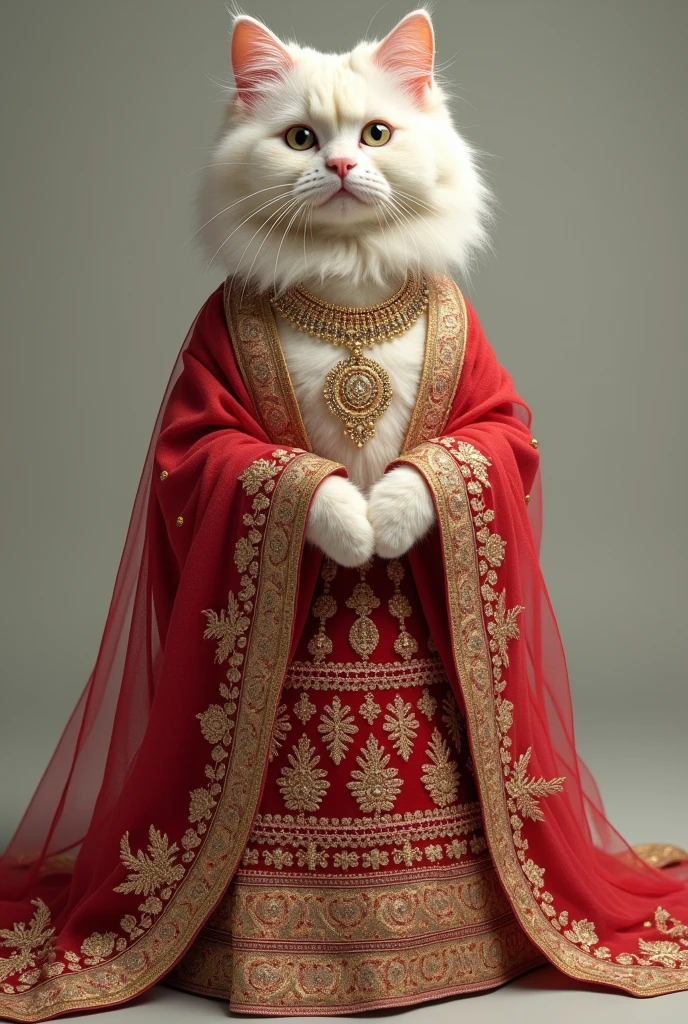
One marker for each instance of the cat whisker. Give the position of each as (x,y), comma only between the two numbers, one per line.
(275,213)
(282,213)
(231,206)
(414,199)
(279,248)
(275,199)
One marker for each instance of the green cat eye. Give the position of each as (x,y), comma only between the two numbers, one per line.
(300,137)
(377,133)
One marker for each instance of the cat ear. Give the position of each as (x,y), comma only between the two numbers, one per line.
(408,51)
(257,56)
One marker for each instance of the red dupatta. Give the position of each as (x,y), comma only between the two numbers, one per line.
(158,775)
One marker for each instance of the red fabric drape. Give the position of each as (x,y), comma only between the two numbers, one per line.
(137,786)
(159,771)
(581,892)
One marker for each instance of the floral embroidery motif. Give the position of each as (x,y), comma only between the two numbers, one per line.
(363,635)
(278,858)
(453,720)
(304,709)
(369,709)
(402,726)
(503,628)
(337,728)
(304,785)
(30,943)
(399,606)
(98,947)
(375,787)
(427,704)
(150,872)
(227,628)
(526,791)
(375,859)
(441,778)
(279,731)
(260,472)
(324,607)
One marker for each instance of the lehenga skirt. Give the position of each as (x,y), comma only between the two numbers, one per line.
(366,882)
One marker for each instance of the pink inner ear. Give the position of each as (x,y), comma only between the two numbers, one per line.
(257,56)
(409,51)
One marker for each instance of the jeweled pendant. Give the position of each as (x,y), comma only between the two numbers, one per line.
(358,391)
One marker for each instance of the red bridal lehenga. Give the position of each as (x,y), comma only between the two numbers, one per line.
(308,789)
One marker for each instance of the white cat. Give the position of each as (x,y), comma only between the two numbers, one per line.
(299,192)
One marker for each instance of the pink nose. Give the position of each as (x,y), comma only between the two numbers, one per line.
(342,165)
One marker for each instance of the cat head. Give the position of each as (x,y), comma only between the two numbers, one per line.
(339,164)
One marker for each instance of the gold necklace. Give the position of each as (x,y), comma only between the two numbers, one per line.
(357,390)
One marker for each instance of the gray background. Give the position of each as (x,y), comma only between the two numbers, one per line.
(108,112)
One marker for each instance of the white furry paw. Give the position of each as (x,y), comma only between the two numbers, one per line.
(338,522)
(401,511)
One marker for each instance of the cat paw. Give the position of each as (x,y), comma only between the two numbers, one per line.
(338,522)
(400,510)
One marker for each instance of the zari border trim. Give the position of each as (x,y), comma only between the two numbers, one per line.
(445,348)
(474,671)
(146,961)
(258,352)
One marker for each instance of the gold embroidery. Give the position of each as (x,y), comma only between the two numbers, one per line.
(355,675)
(259,356)
(427,704)
(503,628)
(278,858)
(482,687)
(445,347)
(453,720)
(526,792)
(260,473)
(303,709)
(363,635)
(227,628)
(303,785)
(324,607)
(337,728)
(441,778)
(399,606)
(369,709)
(368,831)
(30,944)
(660,855)
(279,732)
(402,726)
(150,872)
(98,946)
(375,787)
(303,947)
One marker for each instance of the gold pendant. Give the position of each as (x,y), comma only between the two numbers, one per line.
(358,391)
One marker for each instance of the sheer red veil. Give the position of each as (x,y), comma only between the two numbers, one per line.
(588,863)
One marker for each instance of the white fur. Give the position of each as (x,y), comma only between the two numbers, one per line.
(400,511)
(338,523)
(268,220)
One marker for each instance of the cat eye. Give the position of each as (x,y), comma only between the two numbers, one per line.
(377,133)
(300,137)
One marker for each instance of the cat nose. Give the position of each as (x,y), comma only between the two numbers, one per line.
(342,165)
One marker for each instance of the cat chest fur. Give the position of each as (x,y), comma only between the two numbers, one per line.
(309,361)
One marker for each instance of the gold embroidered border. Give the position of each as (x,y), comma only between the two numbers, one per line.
(472,644)
(256,344)
(306,675)
(206,879)
(305,948)
(444,354)
(258,352)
